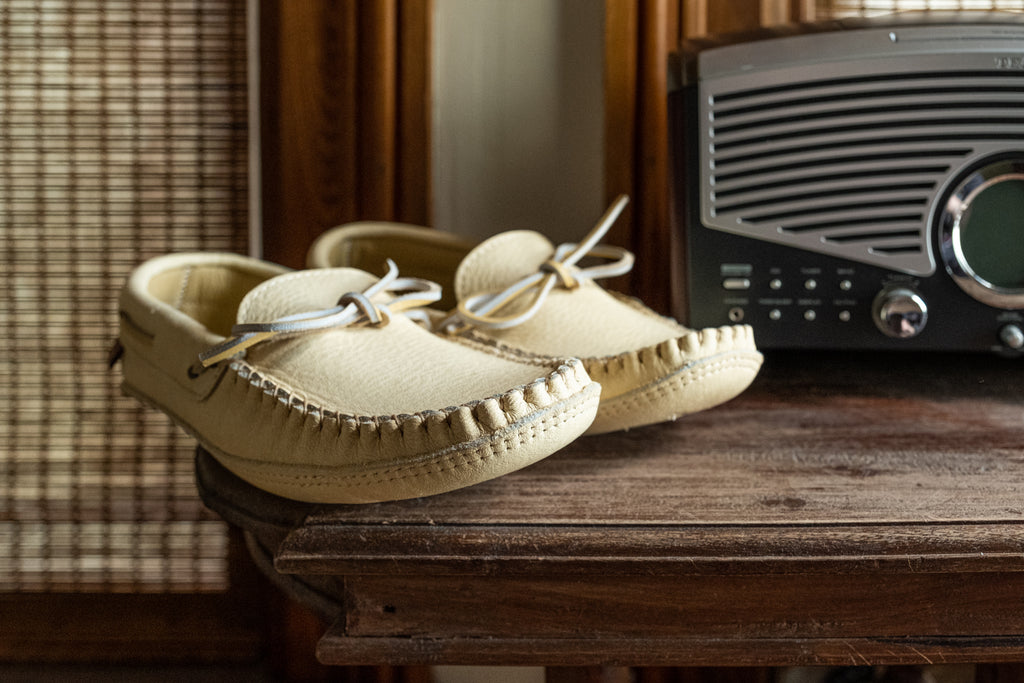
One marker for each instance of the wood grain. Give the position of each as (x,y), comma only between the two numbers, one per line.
(816,441)
(695,652)
(741,608)
(653,551)
(844,509)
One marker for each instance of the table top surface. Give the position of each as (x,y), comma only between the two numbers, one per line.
(825,457)
(845,509)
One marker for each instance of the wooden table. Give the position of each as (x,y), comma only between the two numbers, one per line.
(847,509)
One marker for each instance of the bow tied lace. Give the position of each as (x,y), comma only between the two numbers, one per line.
(408,295)
(490,310)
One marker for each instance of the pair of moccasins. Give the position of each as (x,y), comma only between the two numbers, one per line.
(332,385)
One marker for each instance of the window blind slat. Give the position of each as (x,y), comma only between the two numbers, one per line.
(122,136)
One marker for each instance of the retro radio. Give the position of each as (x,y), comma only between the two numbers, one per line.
(855,185)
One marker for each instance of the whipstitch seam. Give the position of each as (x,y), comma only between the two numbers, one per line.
(686,379)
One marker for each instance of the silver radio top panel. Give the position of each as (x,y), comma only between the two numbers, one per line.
(806,139)
(886,153)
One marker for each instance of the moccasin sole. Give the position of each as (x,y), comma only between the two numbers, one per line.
(699,385)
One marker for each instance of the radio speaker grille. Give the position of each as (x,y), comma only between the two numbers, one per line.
(850,166)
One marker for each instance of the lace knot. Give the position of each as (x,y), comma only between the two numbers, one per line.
(353,309)
(485,310)
(563,272)
(376,316)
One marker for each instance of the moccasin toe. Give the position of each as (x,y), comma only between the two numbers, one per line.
(678,376)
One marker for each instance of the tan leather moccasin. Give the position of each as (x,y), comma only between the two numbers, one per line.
(518,293)
(318,386)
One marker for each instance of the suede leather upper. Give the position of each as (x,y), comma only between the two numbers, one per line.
(348,414)
(651,368)
(394,369)
(587,322)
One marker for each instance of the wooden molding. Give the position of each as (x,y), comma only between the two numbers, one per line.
(137,628)
(345,101)
(774,12)
(695,18)
(803,10)
(726,16)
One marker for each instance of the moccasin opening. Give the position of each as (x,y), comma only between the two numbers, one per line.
(431,259)
(208,293)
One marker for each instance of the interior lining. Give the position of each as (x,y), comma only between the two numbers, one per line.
(423,258)
(210,294)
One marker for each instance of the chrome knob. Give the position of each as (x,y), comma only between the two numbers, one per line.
(900,312)
(1012,336)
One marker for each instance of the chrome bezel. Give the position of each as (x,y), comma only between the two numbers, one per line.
(950,234)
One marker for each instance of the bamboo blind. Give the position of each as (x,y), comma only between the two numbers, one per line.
(867,8)
(122,136)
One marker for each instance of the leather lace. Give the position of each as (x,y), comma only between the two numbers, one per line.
(408,296)
(486,310)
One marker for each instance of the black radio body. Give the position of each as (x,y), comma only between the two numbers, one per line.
(854,185)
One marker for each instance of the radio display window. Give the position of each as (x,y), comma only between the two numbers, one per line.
(992,233)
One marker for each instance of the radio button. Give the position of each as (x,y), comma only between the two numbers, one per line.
(900,312)
(1012,337)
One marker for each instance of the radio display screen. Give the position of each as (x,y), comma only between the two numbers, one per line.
(992,233)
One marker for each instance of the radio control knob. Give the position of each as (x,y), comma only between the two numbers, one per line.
(900,312)
(1012,336)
